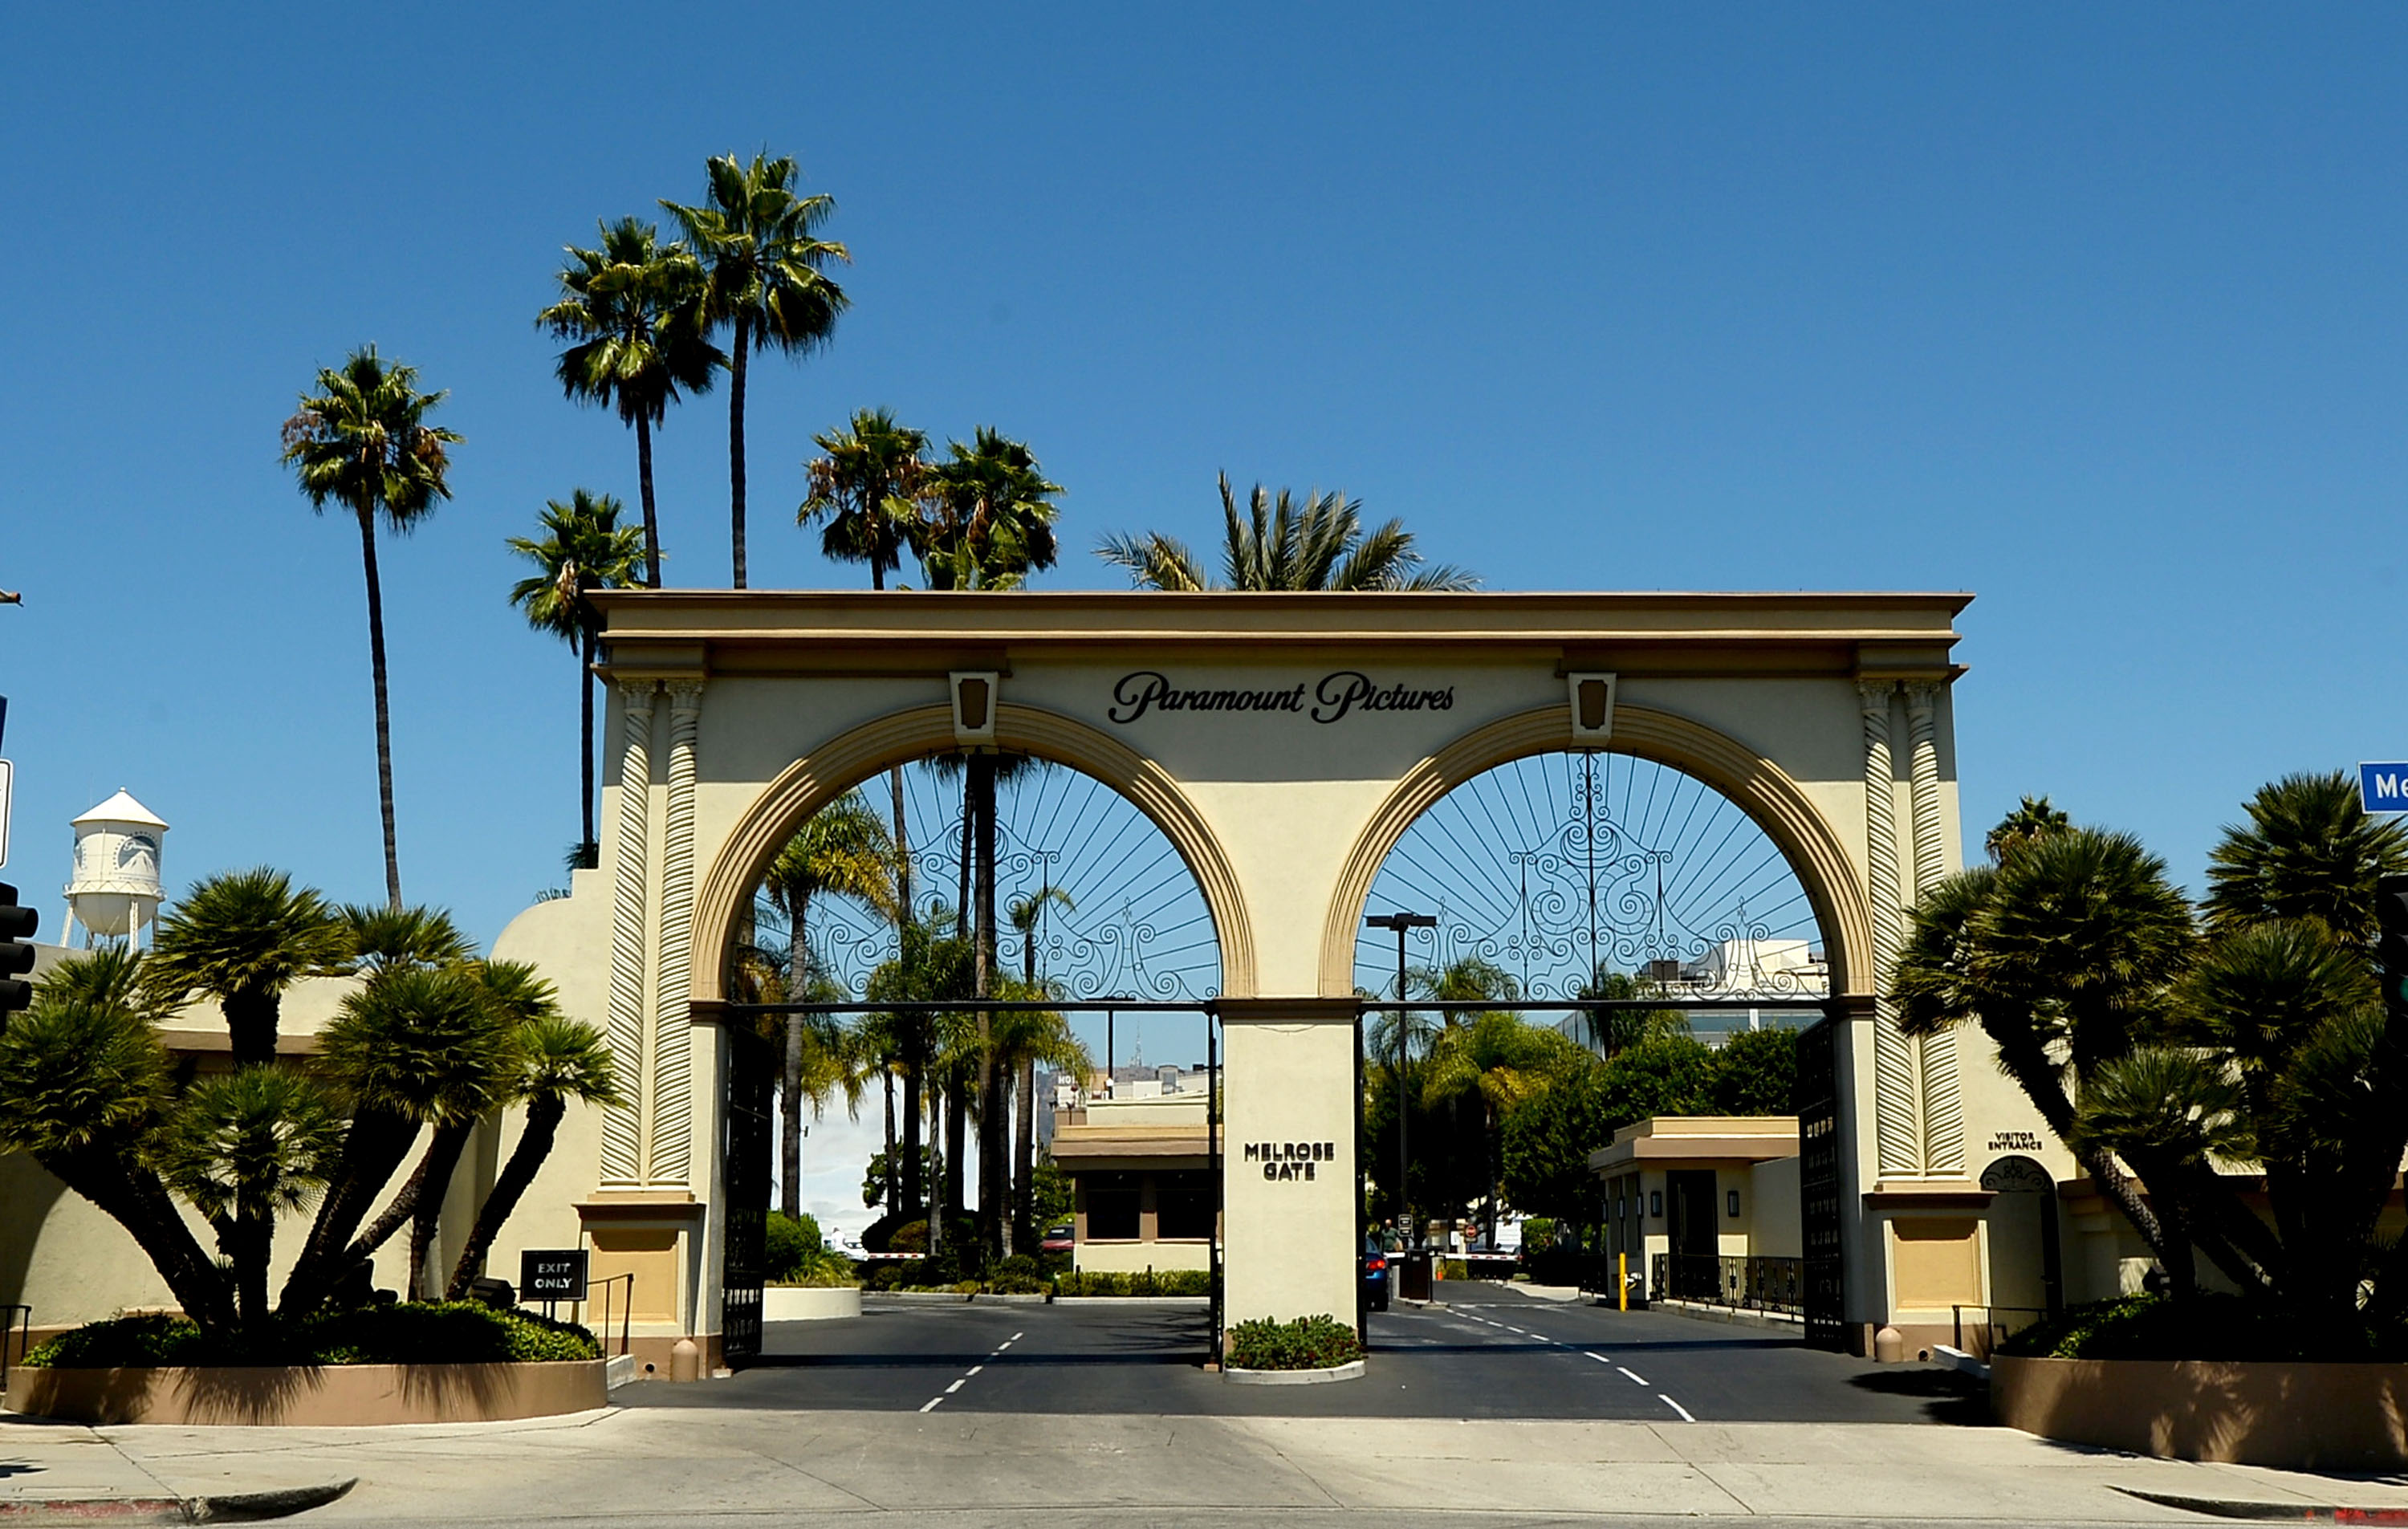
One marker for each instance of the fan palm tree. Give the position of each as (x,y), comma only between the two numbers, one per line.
(867,488)
(363,441)
(843,849)
(1612,1031)
(242,939)
(1019,1044)
(2032,818)
(554,1061)
(583,549)
(991,515)
(384,938)
(1496,1059)
(245,1149)
(1282,545)
(84,1089)
(764,263)
(413,1047)
(633,310)
(2309,851)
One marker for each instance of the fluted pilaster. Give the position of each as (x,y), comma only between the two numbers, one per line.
(1896,1090)
(622,1123)
(1943,1104)
(673,1035)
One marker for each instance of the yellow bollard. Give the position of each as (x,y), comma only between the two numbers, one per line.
(1622,1279)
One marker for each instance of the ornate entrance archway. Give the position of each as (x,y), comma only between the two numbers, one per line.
(1282,743)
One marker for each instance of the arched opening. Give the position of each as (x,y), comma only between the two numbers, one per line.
(1555,874)
(858,907)
(1684,887)
(2027,1262)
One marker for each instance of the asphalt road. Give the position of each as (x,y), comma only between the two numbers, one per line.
(1488,1354)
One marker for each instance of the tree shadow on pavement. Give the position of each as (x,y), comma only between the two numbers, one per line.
(1948,1395)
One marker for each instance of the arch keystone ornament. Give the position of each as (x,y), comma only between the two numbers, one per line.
(1282,744)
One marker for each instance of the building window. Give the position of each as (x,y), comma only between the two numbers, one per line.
(1183,1207)
(1655,1202)
(1113,1208)
(1734,1203)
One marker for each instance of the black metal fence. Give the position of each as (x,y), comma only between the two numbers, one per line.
(1743,1284)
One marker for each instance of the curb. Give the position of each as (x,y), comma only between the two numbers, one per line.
(1351,1370)
(2265,1512)
(225,1507)
(1133,1300)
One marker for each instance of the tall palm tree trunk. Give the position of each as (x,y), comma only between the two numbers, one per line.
(588,846)
(968,859)
(735,443)
(1024,1161)
(543,1118)
(790,1096)
(644,487)
(426,1212)
(993,1117)
(892,1186)
(957,1120)
(383,712)
(915,1188)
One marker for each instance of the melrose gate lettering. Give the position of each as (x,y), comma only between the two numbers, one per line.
(1339,694)
(1282,1160)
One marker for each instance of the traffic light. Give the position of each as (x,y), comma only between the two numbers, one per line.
(2391,944)
(16,957)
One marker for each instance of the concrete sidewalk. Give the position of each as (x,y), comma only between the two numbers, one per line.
(614,1462)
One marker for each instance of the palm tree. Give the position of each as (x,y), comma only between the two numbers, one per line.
(991,516)
(413,1047)
(584,548)
(1612,1031)
(2309,851)
(1027,915)
(868,486)
(633,309)
(763,259)
(842,849)
(84,1088)
(242,937)
(382,937)
(1498,1059)
(245,1149)
(363,441)
(555,1059)
(2032,818)
(1280,545)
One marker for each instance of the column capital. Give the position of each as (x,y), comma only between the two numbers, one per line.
(684,695)
(1873,696)
(1922,694)
(639,694)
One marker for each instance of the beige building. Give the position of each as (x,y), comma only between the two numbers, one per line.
(1282,744)
(1140,1169)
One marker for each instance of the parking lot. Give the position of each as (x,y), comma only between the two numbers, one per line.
(1489,1353)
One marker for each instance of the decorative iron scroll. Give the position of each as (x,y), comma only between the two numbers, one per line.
(1135,925)
(1560,867)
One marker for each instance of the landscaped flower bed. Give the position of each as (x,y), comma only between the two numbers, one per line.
(437,1362)
(1315,1348)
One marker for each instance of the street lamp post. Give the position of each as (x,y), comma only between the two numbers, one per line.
(1402,923)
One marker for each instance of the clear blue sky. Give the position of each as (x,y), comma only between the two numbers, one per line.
(2097,312)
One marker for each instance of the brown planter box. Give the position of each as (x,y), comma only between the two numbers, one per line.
(2322,1417)
(328,1395)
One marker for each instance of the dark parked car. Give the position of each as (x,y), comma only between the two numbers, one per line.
(1057,1238)
(1375,1274)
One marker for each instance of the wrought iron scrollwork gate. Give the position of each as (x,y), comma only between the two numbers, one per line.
(1818,1185)
(751,1074)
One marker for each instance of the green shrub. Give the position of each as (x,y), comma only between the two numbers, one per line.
(910,1238)
(1454,1268)
(1538,1232)
(1308,1343)
(417,1333)
(1019,1275)
(796,1253)
(1145,1282)
(2216,1327)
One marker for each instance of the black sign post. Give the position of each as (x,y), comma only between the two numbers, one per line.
(551,1274)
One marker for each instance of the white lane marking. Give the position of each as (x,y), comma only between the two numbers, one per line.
(1675,1406)
(956,1386)
(1600,1358)
(1640,1378)
(973,1371)
(932,1405)
(1015,1338)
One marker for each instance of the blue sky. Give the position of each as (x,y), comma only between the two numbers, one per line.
(2097,312)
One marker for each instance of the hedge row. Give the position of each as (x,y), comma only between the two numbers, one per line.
(414,1332)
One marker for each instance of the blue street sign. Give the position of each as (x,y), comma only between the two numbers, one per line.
(2383,788)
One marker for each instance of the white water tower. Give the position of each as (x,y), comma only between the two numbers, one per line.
(115,890)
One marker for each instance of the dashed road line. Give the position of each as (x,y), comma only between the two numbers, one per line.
(932,1405)
(1600,1358)
(1640,1378)
(1675,1406)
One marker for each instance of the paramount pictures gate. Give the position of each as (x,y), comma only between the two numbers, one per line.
(1282,744)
